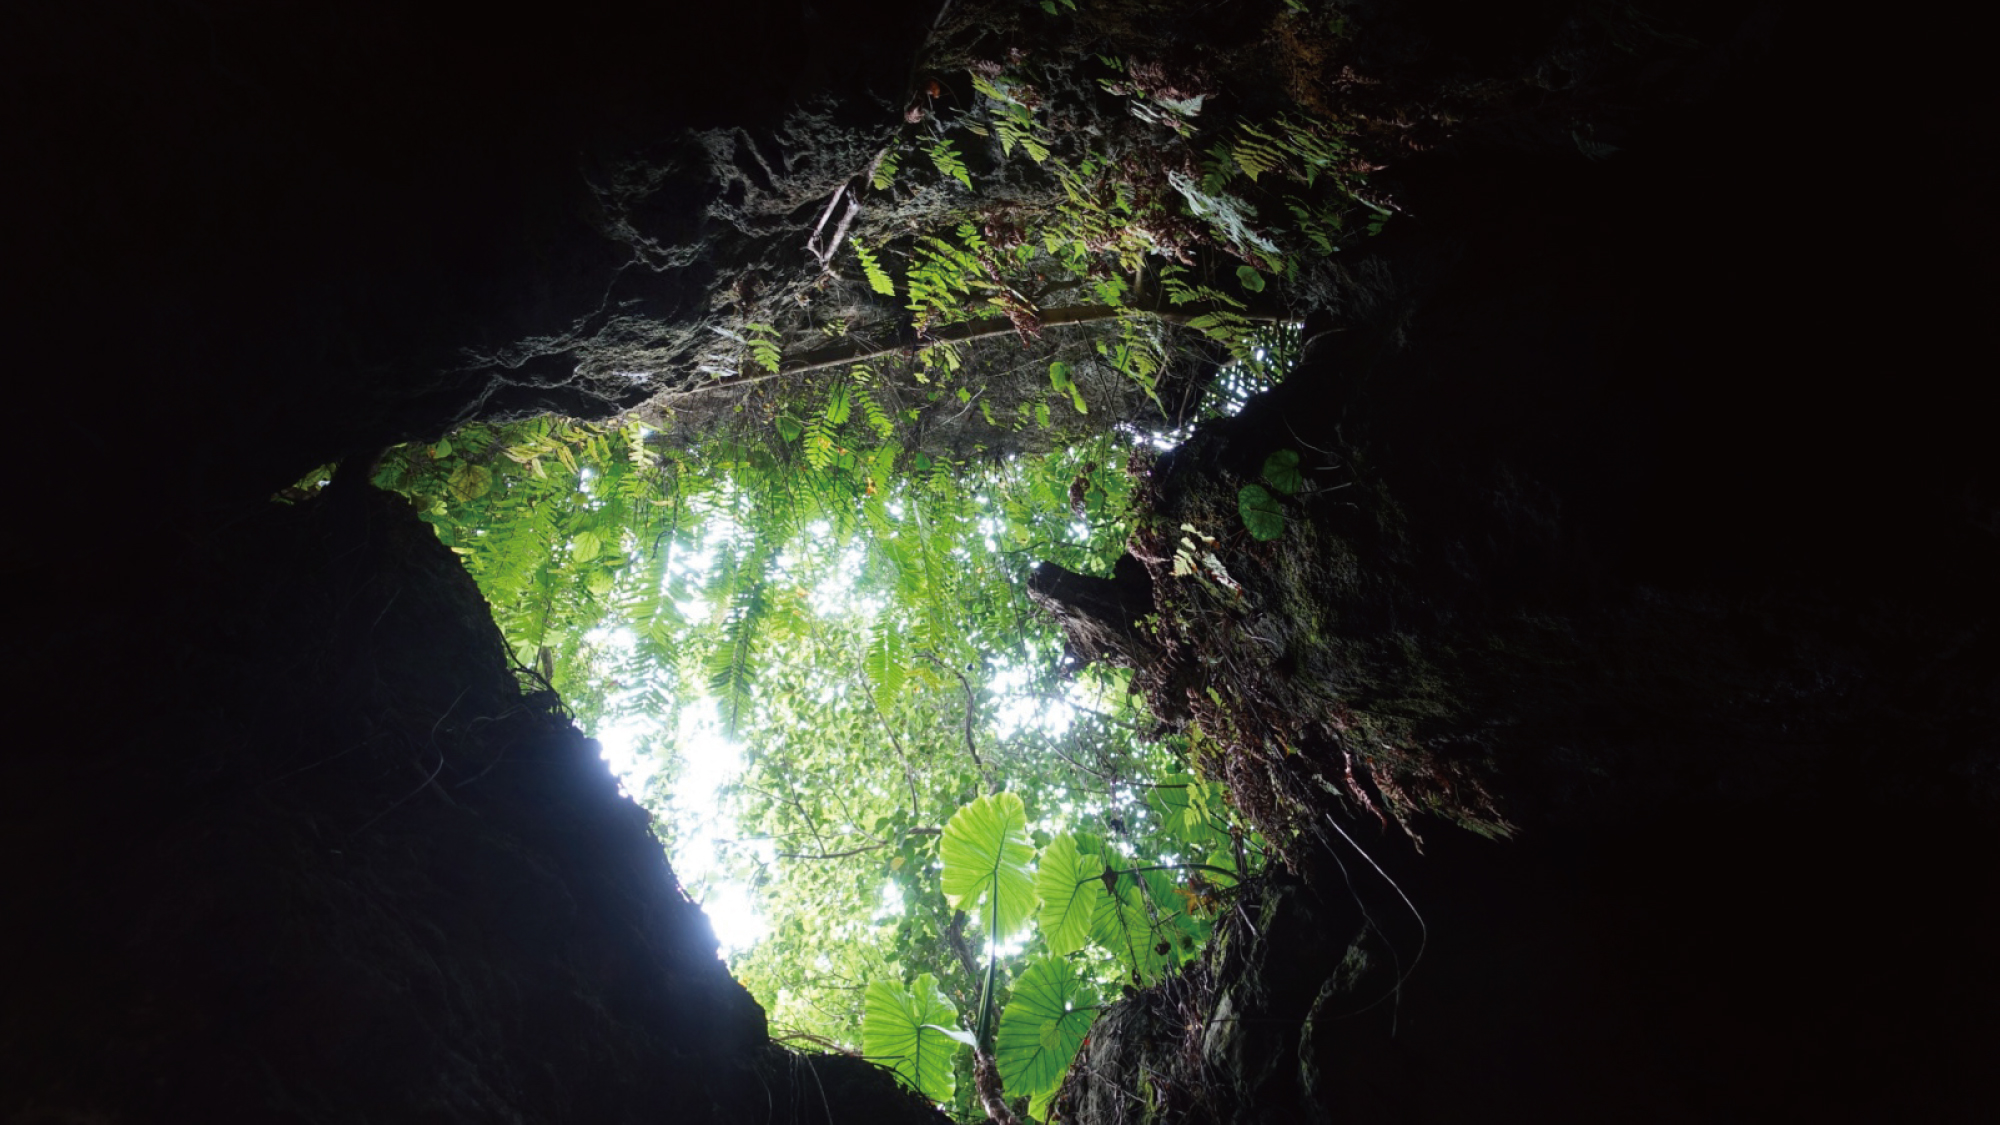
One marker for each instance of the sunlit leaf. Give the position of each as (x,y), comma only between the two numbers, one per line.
(470,482)
(902,1028)
(1047,1017)
(885,664)
(1070,886)
(986,853)
(1180,800)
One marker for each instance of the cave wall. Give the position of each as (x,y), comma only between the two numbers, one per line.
(1655,541)
(328,861)
(289,842)
(340,225)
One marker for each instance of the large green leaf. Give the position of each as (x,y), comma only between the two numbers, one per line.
(1046,1019)
(903,1028)
(1070,885)
(1260,512)
(986,853)
(470,482)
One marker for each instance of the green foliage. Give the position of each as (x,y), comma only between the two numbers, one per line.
(1013,118)
(870,719)
(1069,884)
(732,670)
(910,1031)
(1046,1020)
(886,168)
(1084,894)
(1261,512)
(819,579)
(945,276)
(763,342)
(1188,808)
(1281,471)
(878,278)
(822,431)
(1302,149)
(1059,377)
(986,853)
(947,161)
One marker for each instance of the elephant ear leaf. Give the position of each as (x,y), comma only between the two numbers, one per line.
(905,1029)
(986,852)
(1070,883)
(1046,1020)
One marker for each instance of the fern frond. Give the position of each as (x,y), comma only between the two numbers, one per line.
(731,667)
(885,169)
(877,418)
(763,341)
(948,162)
(871,267)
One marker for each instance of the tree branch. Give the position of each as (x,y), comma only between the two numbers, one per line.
(909,773)
(865,848)
(971,747)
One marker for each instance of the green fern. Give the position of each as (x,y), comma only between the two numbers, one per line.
(1299,148)
(871,267)
(763,341)
(1256,159)
(1016,126)
(822,431)
(999,93)
(1139,355)
(947,160)
(942,277)
(885,169)
(731,666)
(876,417)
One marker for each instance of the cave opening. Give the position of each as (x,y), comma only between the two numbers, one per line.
(1614,566)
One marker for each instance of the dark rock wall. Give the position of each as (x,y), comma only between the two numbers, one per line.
(358,222)
(1658,528)
(284,840)
(324,860)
